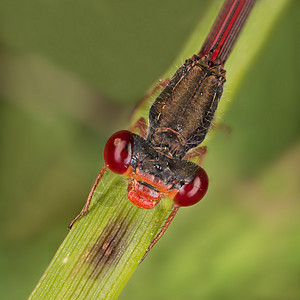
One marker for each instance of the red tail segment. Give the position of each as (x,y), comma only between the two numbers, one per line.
(226,29)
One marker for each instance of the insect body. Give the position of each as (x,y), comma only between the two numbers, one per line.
(181,115)
(156,162)
(178,122)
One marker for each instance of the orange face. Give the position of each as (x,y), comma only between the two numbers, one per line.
(145,190)
(153,175)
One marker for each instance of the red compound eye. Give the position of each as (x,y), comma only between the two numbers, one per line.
(192,192)
(118,151)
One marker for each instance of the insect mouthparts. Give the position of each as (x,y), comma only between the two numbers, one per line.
(148,185)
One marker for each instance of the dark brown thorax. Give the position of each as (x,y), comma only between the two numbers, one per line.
(181,115)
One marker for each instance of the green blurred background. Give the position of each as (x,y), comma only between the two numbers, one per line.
(70,74)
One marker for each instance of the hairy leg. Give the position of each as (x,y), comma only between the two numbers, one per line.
(90,195)
(198,153)
(161,85)
(142,126)
(162,231)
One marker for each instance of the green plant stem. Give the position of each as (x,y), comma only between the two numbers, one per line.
(105,246)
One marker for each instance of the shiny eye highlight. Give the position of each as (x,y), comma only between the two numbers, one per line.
(192,192)
(118,151)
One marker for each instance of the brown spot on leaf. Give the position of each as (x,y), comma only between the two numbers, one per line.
(109,247)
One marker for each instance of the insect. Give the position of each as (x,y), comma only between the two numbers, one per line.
(157,161)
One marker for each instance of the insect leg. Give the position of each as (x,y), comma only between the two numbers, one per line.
(198,153)
(90,195)
(142,126)
(220,126)
(161,85)
(162,231)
